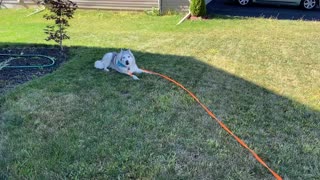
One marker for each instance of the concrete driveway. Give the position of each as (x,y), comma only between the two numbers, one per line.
(222,7)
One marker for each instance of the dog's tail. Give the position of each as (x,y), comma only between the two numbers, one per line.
(98,65)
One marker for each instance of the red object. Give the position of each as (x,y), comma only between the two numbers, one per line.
(198,17)
(240,141)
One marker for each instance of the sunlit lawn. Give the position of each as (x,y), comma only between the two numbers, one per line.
(260,76)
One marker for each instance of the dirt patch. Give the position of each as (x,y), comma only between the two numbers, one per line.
(11,77)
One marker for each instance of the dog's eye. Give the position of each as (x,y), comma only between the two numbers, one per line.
(128,56)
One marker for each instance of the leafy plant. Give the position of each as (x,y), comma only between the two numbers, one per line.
(4,64)
(61,12)
(198,8)
(153,12)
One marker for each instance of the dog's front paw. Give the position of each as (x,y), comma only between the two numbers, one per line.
(135,77)
(139,71)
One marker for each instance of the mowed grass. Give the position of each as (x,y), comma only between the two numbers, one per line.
(260,76)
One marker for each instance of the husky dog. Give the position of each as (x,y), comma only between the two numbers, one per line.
(123,62)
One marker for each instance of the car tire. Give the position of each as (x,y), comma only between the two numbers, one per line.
(246,2)
(308,4)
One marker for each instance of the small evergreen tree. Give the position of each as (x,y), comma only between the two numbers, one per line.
(198,8)
(61,12)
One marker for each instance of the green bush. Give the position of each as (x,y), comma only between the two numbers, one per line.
(153,12)
(198,8)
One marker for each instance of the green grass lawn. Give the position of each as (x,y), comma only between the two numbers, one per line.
(260,76)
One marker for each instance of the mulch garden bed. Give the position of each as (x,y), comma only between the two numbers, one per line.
(11,77)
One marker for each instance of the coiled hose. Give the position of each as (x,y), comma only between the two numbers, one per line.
(16,56)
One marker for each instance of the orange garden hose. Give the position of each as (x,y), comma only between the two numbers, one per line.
(240,141)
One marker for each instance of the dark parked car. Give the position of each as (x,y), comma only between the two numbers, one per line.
(306,4)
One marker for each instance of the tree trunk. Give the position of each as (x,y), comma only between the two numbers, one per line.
(60,31)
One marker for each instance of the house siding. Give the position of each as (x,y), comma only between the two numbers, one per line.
(17,3)
(9,1)
(174,5)
(134,5)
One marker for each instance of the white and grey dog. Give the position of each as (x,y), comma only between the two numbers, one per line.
(123,62)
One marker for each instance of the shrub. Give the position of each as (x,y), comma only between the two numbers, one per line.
(153,12)
(198,8)
(61,12)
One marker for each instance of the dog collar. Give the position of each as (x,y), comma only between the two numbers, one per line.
(120,64)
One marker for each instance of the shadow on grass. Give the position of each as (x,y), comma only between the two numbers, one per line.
(165,133)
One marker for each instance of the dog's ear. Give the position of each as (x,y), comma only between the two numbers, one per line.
(129,51)
(134,59)
(119,56)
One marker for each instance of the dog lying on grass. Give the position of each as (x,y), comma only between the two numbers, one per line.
(123,62)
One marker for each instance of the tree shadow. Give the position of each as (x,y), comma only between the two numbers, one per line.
(284,132)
